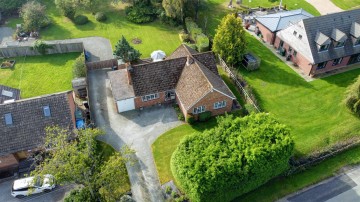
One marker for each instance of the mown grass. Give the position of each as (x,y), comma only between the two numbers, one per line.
(154,35)
(40,75)
(347,4)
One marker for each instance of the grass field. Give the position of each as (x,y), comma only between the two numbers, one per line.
(39,75)
(347,4)
(154,35)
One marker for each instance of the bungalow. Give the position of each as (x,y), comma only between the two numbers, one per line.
(269,25)
(322,44)
(23,123)
(189,77)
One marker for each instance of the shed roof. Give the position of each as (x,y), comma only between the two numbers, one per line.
(121,89)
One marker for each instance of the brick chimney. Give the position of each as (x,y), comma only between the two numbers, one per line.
(129,70)
(189,60)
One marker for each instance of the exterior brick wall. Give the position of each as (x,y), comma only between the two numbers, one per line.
(268,36)
(72,107)
(139,103)
(209,100)
(329,66)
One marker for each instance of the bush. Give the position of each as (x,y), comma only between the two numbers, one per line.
(79,195)
(140,13)
(79,67)
(235,157)
(168,189)
(191,45)
(174,194)
(167,20)
(202,43)
(190,119)
(81,20)
(100,17)
(352,100)
(41,46)
(205,116)
(184,37)
(34,15)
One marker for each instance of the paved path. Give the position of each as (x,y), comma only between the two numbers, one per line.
(137,129)
(344,187)
(325,6)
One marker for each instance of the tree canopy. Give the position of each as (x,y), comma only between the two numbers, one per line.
(352,99)
(9,6)
(34,16)
(233,158)
(180,9)
(79,161)
(124,51)
(229,40)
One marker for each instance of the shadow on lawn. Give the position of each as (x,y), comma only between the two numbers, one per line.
(343,79)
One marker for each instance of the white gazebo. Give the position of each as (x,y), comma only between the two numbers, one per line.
(158,55)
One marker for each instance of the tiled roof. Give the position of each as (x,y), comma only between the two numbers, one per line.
(28,121)
(182,51)
(8,93)
(278,21)
(120,87)
(322,39)
(197,76)
(310,28)
(355,29)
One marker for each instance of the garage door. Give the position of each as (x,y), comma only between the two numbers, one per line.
(126,105)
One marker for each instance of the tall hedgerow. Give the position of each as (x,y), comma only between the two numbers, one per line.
(352,99)
(234,158)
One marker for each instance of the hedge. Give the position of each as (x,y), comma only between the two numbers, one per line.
(352,99)
(233,158)
(202,43)
(196,35)
(81,20)
(205,116)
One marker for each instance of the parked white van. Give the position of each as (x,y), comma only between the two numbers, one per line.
(30,185)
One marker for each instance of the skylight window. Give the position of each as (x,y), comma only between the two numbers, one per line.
(300,36)
(47,112)
(294,33)
(7,93)
(8,119)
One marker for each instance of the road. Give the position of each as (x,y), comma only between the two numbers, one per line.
(344,187)
(56,195)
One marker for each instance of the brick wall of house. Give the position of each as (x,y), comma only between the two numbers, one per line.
(72,107)
(330,67)
(209,100)
(183,110)
(139,103)
(268,36)
(300,60)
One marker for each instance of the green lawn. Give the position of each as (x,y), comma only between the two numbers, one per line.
(39,75)
(154,35)
(347,4)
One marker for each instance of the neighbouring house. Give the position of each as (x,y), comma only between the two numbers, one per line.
(8,94)
(322,44)
(269,25)
(189,77)
(23,124)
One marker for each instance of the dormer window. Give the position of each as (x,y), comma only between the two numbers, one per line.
(355,33)
(300,36)
(294,33)
(339,38)
(357,42)
(324,47)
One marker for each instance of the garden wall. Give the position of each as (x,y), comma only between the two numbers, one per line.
(101,64)
(57,47)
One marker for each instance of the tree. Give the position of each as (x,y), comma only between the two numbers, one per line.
(234,158)
(34,16)
(352,99)
(78,161)
(229,40)
(67,7)
(124,51)
(9,6)
(180,9)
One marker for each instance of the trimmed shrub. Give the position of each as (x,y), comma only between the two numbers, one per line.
(205,116)
(184,37)
(81,20)
(190,24)
(194,32)
(190,119)
(237,156)
(202,43)
(100,17)
(352,100)
(79,67)
(191,45)
(140,13)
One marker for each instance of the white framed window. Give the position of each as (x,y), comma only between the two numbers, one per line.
(146,98)
(337,61)
(221,104)
(321,65)
(340,44)
(198,110)
(357,42)
(324,47)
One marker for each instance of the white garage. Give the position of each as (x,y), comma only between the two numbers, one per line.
(125,105)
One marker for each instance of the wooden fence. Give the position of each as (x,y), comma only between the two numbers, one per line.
(101,64)
(238,83)
(27,50)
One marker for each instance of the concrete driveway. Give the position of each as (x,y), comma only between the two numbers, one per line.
(137,129)
(55,195)
(325,6)
(344,187)
(6,34)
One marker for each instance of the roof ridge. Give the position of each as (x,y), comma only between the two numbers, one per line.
(39,97)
